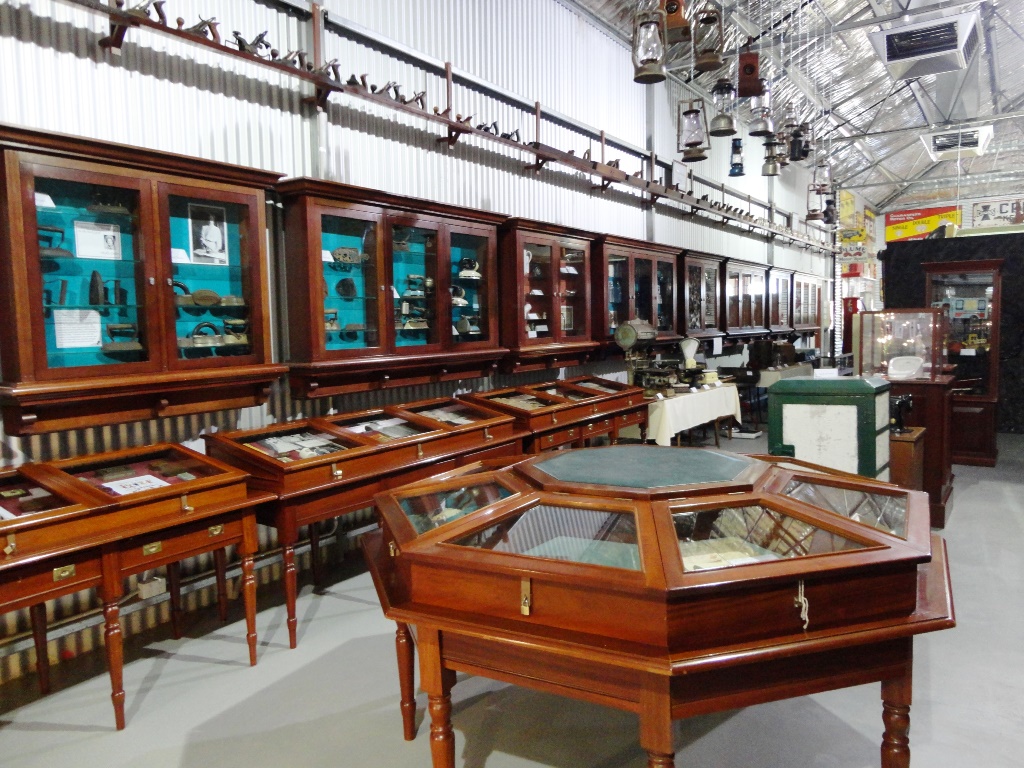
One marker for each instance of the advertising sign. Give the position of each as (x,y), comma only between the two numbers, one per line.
(918,223)
(997,213)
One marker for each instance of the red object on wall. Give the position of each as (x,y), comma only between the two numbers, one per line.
(851,306)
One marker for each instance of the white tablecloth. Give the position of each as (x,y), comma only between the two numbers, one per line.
(667,417)
(769,376)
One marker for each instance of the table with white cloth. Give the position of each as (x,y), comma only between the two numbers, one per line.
(675,414)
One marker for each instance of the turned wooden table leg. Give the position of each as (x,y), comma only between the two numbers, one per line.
(314,556)
(290,590)
(220,570)
(660,761)
(38,615)
(174,588)
(406,679)
(656,722)
(896,695)
(250,542)
(115,658)
(437,682)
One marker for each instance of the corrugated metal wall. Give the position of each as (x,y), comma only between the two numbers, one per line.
(163,94)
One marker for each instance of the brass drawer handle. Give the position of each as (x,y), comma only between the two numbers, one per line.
(215,530)
(572,433)
(154,547)
(64,572)
(335,472)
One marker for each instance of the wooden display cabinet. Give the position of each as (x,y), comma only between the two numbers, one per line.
(806,303)
(134,284)
(633,279)
(319,469)
(743,299)
(92,521)
(569,412)
(546,295)
(780,292)
(969,295)
(386,290)
(700,305)
(665,582)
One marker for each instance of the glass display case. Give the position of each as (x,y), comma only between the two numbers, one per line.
(969,295)
(744,299)
(700,302)
(806,303)
(388,289)
(138,293)
(546,294)
(633,279)
(900,343)
(684,559)
(780,284)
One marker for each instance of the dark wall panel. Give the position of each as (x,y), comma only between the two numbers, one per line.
(904,287)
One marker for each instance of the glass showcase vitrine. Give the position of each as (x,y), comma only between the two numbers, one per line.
(900,343)
(633,279)
(141,290)
(689,562)
(386,289)
(700,302)
(744,298)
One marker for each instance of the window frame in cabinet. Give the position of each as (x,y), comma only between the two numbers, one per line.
(705,262)
(815,288)
(784,277)
(534,353)
(742,269)
(318,372)
(609,246)
(36,397)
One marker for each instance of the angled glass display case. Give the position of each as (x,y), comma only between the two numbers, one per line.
(686,573)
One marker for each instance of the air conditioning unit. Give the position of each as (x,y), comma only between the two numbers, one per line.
(944,44)
(959,142)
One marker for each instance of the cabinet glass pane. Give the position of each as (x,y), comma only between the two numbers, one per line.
(414,265)
(210,277)
(746,318)
(92,298)
(20,496)
(725,538)
(618,301)
(665,297)
(798,303)
(757,292)
(732,296)
(694,302)
(142,472)
(455,414)
(710,297)
(643,284)
(350,282)
(538,301)
(381,428)
(296,444)
(572,293)
(773,301)
(432,510)
(470,313)
(968,302)
(589,536)
(784,301)
(878,510)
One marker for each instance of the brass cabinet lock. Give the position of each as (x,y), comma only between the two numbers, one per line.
(487,434)
(419,451)
(215,530)
(64,572)
(525,597)
(392,549)
(335,472)
(153,548)
(185,506)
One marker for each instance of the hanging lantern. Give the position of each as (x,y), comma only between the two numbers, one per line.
(677,27)
(796,144)
(761,106)
(724,96)
(822,179)
(736,161)
(708,39)
(771,162)
(649,42)
(815,206)
(830,215)
(693,131)
(749,72)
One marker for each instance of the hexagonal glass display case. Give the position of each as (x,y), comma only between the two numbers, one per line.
(659,580)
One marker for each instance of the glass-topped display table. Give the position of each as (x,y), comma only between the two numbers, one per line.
(568,412)
(92,521)
(319,469)
(667,582)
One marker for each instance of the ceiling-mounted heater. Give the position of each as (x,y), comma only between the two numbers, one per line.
(944,44)
(958,142)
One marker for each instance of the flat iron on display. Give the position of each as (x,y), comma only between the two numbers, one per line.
(469,269)
(50,240)
(459,296)
(124,337)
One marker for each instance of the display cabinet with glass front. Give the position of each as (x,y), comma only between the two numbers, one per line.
(780,282)
(744,298)
(700,302)
(134,284)
(546,295)
(386,290)
(699,570)
(900,343)
(968,295)
(806,303)
(92,521)
(633,279)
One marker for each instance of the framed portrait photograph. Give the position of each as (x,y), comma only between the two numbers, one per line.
(209,234)
(97,241)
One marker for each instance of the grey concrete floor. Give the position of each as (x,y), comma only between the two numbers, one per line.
(334,700)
